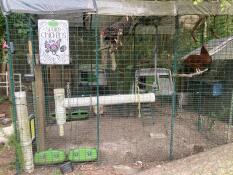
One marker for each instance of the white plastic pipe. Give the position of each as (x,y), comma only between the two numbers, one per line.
(60,110)
(24,130)
(108,100)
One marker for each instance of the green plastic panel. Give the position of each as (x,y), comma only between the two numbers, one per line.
(82,155)
(49,157)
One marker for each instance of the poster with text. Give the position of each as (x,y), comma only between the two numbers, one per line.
(53,41)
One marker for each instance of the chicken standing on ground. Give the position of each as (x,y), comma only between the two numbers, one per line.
(198,62)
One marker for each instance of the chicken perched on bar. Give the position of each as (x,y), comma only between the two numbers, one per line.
(115,32)
(198,62)
(111,40)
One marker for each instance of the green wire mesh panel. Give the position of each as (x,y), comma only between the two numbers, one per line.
(78,80)
(134,131)
(114,62)
(203,117)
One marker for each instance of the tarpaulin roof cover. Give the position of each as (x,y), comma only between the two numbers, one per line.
(47,6)
(160,8)
(115,7)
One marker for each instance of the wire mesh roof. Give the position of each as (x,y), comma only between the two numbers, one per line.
(114,7)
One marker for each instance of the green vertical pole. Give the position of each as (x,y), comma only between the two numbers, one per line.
(156,56)
(199,122)
(230,119)
(12,89)
(32,40)
(200,84)
(97,83)
(175,55)
(134,60)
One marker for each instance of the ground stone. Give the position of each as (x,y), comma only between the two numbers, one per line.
(2,115)
(158,136)
(126,170)
(6,121)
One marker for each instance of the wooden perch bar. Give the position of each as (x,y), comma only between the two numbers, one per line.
(191,75)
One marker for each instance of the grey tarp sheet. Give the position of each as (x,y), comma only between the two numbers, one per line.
(159,8)
(136,8)
(47,6)
(114,7)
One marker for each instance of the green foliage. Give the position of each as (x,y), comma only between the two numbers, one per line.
(57,172)
(221,114)
(11,141)
(18,23)
(14,144)
(224,3)
(21,24)
(2,28)
(4,99)
(1,100)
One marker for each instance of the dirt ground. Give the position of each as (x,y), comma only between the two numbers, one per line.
(130,141)
(5,107)
(126,140)
(7,158)
(217,161)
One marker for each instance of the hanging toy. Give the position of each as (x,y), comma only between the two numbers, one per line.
(4,44)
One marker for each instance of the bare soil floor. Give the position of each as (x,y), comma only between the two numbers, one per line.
(126,140)
(217,161)
(131,141)
(7,160)
(5,107)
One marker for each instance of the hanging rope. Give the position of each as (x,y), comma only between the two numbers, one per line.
(138,99)
(68,92)
(146,84)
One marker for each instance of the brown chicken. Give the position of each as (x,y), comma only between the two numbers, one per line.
(198,62)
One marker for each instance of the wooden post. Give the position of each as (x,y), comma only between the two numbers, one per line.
(38,92)
(40,107)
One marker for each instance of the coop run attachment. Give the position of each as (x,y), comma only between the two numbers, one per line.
(126,70)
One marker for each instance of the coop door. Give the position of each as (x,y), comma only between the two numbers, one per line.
(165,82)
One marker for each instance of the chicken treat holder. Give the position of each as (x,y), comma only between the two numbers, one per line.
(24,130)
(60,110)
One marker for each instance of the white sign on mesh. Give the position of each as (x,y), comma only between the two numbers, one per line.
(53,41)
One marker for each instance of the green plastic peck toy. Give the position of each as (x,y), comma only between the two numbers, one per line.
(49,157)
(78,115)
(82,155)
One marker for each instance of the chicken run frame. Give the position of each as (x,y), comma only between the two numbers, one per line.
(123,94)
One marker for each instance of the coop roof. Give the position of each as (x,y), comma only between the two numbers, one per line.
(115,7)
(159,8)
(47,6)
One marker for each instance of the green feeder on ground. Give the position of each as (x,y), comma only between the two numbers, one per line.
(78,115)
(82,155)
(49,157)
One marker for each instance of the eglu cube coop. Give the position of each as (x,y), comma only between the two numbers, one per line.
(113,81)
